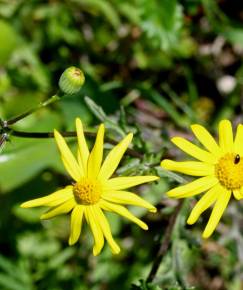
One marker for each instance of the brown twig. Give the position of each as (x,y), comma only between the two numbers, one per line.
(165,243)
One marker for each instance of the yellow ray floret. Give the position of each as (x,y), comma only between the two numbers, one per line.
(206,139)
(83,150)
(76,223)
(126,197)
(68,159)
(194,150)
(239,140)
(96,155)
(93,191)
(114,157)
(226,141)
(219,167)
(193,168)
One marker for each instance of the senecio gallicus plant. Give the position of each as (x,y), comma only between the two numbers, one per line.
(221,169)
(95,190)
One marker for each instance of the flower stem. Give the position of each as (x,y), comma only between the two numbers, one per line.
(41,135)
(31,111)
(165,243)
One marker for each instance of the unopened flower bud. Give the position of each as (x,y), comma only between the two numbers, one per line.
(71,80)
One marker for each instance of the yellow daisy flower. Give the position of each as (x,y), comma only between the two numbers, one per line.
(220,168)
(93,189)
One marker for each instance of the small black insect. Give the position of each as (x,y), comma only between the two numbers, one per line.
(237,159)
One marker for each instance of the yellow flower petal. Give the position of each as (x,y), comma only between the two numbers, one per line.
(193,168)
(121,210)
(83,150)
(76,224)
(125,197)
(96,155)
(217,212)
(114,157)
(106,230)
(119,183)
(91,217)
(237,194)
(206,139)
(67,157)
(61,209)
(194,150)
(193,188)
(226,136)
(238,148)
(204,203)
(53,199)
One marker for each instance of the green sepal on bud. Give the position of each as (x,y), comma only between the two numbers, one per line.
(71,80)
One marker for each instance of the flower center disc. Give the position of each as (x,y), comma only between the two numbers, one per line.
(229,171)
(87,191)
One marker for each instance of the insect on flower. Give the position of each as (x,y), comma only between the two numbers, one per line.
(220,168)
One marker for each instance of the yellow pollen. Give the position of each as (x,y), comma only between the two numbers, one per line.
(87,191)
(229,171)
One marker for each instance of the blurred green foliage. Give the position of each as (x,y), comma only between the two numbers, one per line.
(151,67)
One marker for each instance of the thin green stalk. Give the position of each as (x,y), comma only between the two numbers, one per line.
(14,120)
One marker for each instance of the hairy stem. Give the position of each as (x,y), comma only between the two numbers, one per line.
(165,243)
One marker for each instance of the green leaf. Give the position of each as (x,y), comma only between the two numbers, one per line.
(101,115)
(14,276)
(61,258)
(162,22)
(104,7)
(143,285)
(8,40)
(234,35)
(18,167)
(37,245)
(27,70)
